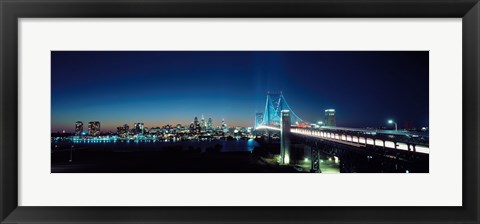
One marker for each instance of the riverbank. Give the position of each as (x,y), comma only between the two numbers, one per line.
(203,157)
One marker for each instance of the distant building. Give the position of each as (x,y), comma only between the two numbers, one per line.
(180,128)
(196,125)
(167,129)
(192,128)
(94,128)
(224,126)
(155,131)
(78,128)
(330,118)
(210,124)
(138,128)
(122,131)
(203,123)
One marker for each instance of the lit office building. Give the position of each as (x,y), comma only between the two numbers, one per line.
(78,128)
(138,128)
(180,128)
(192,128)
(224,126)
(203,124)
(168,129)
(330,118)
(94,128)
(210,124)
(122,131)
(155,131)
(196,126)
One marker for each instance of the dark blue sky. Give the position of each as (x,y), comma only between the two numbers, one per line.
(164,87)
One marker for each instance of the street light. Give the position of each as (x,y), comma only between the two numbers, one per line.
(393,122)
(71,154)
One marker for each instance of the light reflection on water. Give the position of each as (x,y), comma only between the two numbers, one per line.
(226,145)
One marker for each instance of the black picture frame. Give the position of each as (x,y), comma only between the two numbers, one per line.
(12,10)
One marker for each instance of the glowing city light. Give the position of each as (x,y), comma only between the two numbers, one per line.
(286,159)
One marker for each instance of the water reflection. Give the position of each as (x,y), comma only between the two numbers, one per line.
(126,145)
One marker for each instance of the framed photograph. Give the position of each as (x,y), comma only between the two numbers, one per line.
(147,119)
(247,112)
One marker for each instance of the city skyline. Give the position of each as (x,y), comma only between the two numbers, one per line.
(85,123)
(159,88)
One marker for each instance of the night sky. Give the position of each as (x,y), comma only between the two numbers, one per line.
(164,87)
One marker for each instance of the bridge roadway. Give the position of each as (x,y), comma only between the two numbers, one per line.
(388,132)
(356,138)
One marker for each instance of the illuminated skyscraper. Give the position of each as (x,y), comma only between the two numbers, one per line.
(94,128)
(195,121)
(196,125)
(330,118)
(138,128)
(224,126)
(192,128)
(203,124)
(210,124)
(78,128)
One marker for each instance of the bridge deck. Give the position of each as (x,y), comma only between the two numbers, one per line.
(360,141)
(356,138)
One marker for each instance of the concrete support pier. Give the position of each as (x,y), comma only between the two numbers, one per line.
(285,137)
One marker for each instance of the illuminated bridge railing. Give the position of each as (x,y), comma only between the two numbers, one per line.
(263,127)
(359,141)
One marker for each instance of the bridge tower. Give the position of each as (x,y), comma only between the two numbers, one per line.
(273,107)
(285,124)
(258,119)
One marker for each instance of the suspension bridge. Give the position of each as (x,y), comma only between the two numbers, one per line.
(278,116)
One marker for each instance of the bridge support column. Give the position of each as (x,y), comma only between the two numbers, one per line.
(285,137)
(315,160)
(267,133)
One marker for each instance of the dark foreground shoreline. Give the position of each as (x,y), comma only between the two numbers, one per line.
(164,161)
(214,157)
